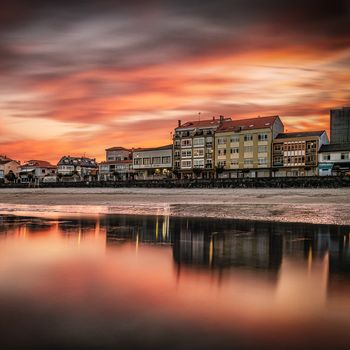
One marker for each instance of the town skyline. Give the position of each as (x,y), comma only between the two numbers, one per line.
(84,77)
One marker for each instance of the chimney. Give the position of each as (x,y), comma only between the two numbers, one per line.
(179,123)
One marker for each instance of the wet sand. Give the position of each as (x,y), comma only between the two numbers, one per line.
(327,206)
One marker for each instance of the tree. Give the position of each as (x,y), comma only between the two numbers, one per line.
(10,176)
(219,169)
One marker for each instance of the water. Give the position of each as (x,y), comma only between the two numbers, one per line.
(154,282)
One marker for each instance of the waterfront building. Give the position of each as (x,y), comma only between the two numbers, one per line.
(194,147)
(76,168)
(9,169)
(340,125)
(334,159)
(118,164)
(296,153)
(150,163)
(35,171)
(243,147)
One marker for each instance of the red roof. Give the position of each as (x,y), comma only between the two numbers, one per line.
(118,149)
(248,124)
(39,164)
(207,123)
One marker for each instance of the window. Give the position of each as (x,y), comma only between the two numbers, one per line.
(146,161)
(186,153)
(198,142)
(248,137)
(186,143)
(262,161)
(198,163)
(326,157)
(263,137)
(234,138)
(186,164)
(248,149)
(199,152)
(344,156)
(221,140)
(166,160)
(262,149)
(234,150)
(156,160)
(222,152)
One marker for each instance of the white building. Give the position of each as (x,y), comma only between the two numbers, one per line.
(334,159)
(153,163)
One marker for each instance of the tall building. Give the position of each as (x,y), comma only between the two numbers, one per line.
(340,125)
(194,147)
(296,153)
(243,147)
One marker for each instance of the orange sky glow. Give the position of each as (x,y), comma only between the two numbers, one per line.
(76,82)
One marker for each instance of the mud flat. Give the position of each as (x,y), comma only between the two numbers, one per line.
(325,206)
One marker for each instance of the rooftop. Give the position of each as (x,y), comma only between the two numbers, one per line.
(248,124)
(291,135)
(333,147)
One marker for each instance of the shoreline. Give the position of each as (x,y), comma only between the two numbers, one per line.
(319,206)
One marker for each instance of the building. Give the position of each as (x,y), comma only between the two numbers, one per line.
(194,147)
(243,148)
(340,125)
(118,164)
(35,171)
(334,159)
(149,163)
(9,169)
(296,153)
(76,168)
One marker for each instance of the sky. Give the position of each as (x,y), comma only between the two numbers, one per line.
(77,77)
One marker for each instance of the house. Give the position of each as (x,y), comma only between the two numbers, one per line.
(194,146)
(296,153)
(243,147)
(35,171)
(118,164)
(76,168)
(9,169)
(334,159)
(150,163)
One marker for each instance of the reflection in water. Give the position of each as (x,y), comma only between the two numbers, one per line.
(96,282)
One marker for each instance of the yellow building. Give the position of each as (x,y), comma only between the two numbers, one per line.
(243,148)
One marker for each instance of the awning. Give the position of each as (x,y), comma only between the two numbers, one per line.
(325,166)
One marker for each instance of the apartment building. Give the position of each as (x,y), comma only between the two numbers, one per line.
(243,148)
(194,147)
(334,159)
(156,162)
(296,153)
(118,164)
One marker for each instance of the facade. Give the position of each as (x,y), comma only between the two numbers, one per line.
(194,147)
(334,159)
(118,164)
(340,125)
(296,153)
(149,163)
(76,168)
(8,166)
(35,171)
(243,148)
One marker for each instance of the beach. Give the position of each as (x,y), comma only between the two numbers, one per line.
(322,206)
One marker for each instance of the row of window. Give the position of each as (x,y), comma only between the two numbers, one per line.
(152,161)
(247,137)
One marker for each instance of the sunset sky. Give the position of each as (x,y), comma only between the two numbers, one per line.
(77,78)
